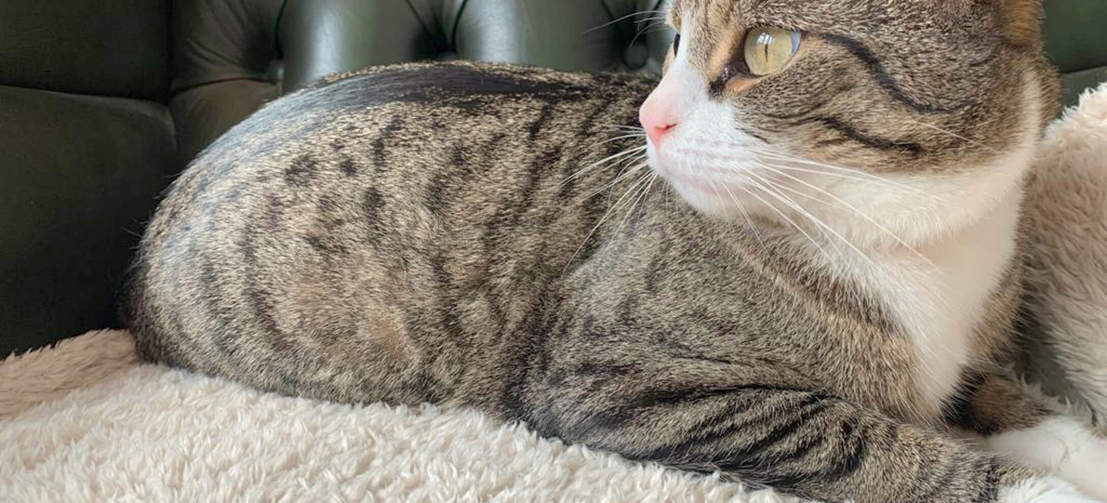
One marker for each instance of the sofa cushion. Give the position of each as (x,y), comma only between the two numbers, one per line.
(80,174)
(116,48)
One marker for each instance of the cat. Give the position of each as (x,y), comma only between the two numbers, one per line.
(802,271)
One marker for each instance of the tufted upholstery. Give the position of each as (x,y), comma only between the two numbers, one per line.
(232,55)
(101,103)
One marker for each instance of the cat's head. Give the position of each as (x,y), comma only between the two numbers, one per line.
(912,115)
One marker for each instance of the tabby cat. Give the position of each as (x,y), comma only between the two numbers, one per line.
(803,271)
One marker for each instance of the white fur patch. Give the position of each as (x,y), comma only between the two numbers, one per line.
(1042,490)
(939,295)
(1063,446)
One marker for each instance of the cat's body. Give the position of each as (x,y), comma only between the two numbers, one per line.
(457,234)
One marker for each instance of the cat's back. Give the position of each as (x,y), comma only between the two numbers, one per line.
(373,216)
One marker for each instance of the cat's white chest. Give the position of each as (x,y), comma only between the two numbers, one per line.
(940,295)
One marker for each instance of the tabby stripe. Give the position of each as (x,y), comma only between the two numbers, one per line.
(720,431)
(879,143)
(301,171)
(568,182)
(261,304)
(775,436)
(843,465)
(449,322)
(225,340)
(194,346)
(379,159)
(750,132)
(937,481)
(439,185)
(851,462)
(542,407)
(536,125)
(656,265)
(532,344)
(801,450)
(990,487)
(372,210)
(509,215)
(876,69)
(616,417)
(786,480)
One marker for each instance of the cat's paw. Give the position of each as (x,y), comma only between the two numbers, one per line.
(1043,490)
(1062,446)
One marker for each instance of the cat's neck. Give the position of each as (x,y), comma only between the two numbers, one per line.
(939,278)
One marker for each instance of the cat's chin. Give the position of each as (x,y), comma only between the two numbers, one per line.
(724,197)
(709,196)
(713,199)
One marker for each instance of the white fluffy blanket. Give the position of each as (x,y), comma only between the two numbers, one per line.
(84,422)
(1067,210)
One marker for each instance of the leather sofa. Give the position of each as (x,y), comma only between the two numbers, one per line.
(102,103)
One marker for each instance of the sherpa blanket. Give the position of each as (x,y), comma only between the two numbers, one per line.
(84,421)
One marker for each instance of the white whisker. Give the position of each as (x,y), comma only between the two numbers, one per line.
(606,215)
(611,158)
(620,18)
(624,173)
(746,215)
(952,134)
(841,172)
(782,214)
(637,200)
(815,220)
(857,211)
(620,137)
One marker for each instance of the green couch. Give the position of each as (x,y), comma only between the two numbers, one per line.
(102,103)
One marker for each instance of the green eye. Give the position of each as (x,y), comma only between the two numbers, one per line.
(769,49)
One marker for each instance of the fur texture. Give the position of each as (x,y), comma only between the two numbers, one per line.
(437,233)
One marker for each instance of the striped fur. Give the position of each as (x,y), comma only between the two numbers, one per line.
(452,233)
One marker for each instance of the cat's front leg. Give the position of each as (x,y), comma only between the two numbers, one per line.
(801,442)
(1021,426)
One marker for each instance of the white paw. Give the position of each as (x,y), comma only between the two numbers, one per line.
(1062,446)
(1043,490)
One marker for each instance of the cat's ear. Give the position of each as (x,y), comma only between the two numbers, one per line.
(1021,21)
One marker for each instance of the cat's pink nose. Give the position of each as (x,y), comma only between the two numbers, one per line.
(657,119)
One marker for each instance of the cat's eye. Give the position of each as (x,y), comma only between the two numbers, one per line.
(676,44)
(768,50)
